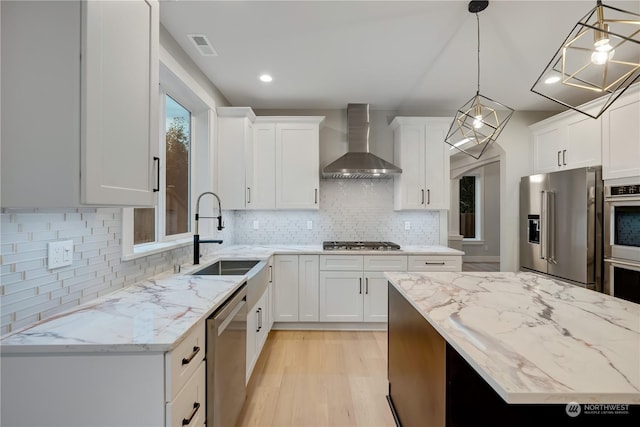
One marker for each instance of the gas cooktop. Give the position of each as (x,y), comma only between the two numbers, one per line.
(360,246)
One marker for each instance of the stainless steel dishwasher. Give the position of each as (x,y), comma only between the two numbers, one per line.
(226,360)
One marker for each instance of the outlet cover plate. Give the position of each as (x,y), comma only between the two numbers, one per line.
(60,254)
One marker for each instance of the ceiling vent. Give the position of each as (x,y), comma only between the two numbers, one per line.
(203,45)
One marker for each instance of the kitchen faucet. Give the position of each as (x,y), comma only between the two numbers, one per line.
(196,236)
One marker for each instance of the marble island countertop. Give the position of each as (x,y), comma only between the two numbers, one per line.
(534,339)
(157,313)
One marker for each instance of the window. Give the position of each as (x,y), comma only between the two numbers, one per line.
(175,195)
(470,209)
(187,125)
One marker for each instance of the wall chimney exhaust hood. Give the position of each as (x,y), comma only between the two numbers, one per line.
(359,162)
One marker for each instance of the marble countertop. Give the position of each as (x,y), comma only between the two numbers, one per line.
(157,313)
(534,339)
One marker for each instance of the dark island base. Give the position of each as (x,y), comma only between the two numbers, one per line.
(431,385)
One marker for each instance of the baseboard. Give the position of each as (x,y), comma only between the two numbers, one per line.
(486,258)
(329,326)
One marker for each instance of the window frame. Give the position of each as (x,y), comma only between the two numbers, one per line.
(479,209)
(184,94)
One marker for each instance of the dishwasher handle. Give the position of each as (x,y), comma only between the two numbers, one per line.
(231,316)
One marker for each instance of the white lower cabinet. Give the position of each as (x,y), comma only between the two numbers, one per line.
(353,288)
(108,389)
(295,289)
(434,263)
(341,298)
(188,408)
(257,330)
(375,297)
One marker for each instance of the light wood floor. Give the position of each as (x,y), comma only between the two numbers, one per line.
(319,378)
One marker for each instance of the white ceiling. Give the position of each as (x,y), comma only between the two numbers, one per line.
(397,55)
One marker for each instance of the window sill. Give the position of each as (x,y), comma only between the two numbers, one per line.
(156,248)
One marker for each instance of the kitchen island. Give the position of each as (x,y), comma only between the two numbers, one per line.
(510,349)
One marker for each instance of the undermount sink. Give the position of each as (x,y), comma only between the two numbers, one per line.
(227,268)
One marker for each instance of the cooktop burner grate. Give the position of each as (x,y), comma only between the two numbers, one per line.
(359,246)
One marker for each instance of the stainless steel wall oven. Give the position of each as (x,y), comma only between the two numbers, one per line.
(622,241)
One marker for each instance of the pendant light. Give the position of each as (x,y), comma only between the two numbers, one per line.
(480,120)
(599,58)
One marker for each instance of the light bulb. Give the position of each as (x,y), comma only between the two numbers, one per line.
(477,123)
(603,53)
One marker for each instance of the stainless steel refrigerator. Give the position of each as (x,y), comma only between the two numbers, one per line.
(561,225)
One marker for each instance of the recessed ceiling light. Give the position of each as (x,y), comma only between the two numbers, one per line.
(266,78)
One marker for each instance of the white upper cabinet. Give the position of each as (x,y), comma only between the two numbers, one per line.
(621,137)
(235,156)
(298,164)
(566,141)
(420,150)
(268,162)
(262,189)
(79,103)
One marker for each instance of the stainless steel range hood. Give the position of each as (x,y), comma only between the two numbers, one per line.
(359,162)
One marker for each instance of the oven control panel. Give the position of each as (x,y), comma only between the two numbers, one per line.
(623,190)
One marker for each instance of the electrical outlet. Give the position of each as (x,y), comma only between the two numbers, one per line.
(60,254)
(256,225)
(407,225)
(309,225)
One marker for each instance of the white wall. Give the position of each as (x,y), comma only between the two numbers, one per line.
(489,247)
(513,149)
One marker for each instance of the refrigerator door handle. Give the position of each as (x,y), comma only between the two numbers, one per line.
(551,227)
(543,224)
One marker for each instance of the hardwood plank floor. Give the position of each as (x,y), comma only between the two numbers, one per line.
(319,378)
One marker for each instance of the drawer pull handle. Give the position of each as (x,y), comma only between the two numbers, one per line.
(186,360)
(435,263)
(187,421)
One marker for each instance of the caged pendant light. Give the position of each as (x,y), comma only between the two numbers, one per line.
(599,58)
(479,122)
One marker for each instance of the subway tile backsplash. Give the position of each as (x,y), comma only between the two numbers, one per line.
(30,292)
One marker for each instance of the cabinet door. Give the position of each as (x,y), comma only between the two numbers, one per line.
(297,166)
(410,155)
(308,288)
(231,164)
(621,138)
(375,297)
(183,406)
(547,152)
(584,142)
(262,187)
(341,296)
(437,165)
(119,102)
(252,332)
(285,291)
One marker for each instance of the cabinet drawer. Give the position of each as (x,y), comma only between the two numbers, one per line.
(385,263)
(434,263)
(182,361)
(189,404)
(341,262)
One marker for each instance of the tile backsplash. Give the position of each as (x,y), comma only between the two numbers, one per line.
(30,292)
(349,210)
